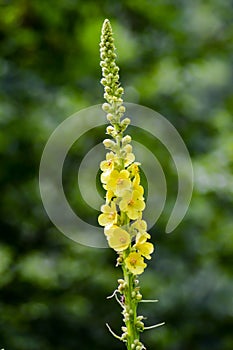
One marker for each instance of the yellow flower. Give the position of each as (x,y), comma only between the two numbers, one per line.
(142,237)
(133,168)
(109,196)
(104,178)
(108,164)
(135,263)
(118,182)
(145,249)
(132,203)
(109,215)
(129,158)
(139,226)
(136,184)
(118,239)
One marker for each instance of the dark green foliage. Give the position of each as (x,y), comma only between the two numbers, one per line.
(175,57)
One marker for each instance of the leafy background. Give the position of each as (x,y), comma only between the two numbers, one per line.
(175,57)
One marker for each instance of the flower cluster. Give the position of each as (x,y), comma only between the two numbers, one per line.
(122,213)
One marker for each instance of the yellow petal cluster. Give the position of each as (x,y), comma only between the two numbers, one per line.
(108,164)
(118,239)
(135,263)
(118,182)
(145,249)
(109,215)
(124,195)
(132,203)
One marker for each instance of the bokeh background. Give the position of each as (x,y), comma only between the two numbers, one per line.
(175,57)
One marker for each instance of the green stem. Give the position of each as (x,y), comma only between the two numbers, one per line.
(130,308)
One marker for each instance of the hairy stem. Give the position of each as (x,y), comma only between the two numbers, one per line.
(130,308)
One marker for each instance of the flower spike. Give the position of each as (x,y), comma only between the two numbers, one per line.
(121,215)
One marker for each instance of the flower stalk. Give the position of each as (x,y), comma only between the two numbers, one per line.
(121,216)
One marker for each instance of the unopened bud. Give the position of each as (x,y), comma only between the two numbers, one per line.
(109,129)
(109,77)
(133,294)
(119,260)
(126,139)
(121,109)
(107,89)
(103,64)
(126,121)
(140,325)
(103,55)
(139,296)
(128,148)
(106,107)
(109,143)
(110,117)
(103,81)
(120,281)
(124,335)
(139,318)
(120,90)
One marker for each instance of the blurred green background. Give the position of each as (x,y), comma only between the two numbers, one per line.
(175,57)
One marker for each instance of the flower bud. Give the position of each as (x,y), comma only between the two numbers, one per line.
(120,281)
(133,294)
(109,77)
(139,318)
(125,121)
(110,117)
(140,325)
(126,139)
(128,148)
(124,335)
(121,109)
(103,81)
(120,90)
(109,143)
(103,56)
(103,64)
(117,100)
(109,130)
(105,71)
(139,296)
(119,260)
(106,107)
